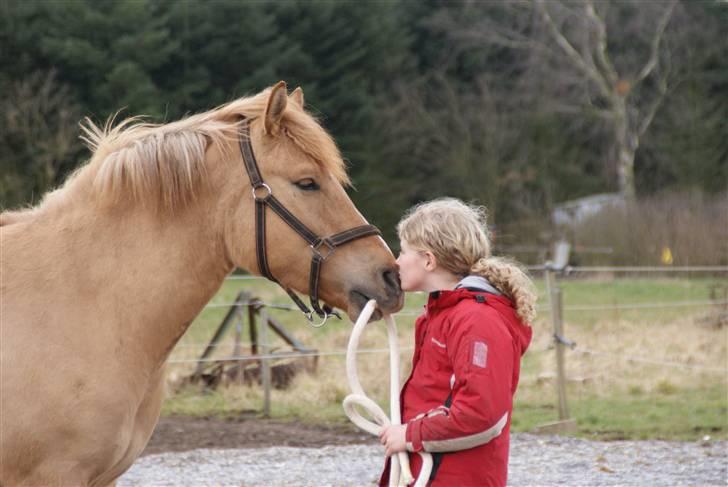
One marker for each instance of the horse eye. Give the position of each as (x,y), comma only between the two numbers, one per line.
(308,184)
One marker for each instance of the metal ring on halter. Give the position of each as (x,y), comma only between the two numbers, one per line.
(309,316)
(266,187)
(315,248)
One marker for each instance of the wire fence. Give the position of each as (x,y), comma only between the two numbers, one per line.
(341,353)
(579,269)
(566,272)
(635,269)
(586,307)
(647,305)
(588,359)
(287,355)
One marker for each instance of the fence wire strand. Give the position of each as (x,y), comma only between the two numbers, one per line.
(575,307)
(333,353)
(545,307)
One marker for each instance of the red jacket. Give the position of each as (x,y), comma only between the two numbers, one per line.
(468,345)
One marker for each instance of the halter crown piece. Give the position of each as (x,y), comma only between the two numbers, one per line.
(321,247)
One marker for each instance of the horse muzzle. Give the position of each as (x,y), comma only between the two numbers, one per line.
(386,290)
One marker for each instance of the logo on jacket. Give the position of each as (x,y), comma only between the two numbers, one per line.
(480,354)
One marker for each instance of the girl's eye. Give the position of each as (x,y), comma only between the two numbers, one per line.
(307,184)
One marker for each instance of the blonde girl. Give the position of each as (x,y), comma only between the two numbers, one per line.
(458,400)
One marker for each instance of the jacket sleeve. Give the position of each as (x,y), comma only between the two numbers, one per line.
(481,352)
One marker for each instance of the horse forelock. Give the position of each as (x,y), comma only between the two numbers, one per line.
(303,129)
(312,139)
(165,164)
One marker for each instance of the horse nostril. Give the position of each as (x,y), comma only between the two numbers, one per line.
(391,280)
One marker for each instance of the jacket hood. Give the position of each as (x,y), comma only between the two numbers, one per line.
(478,288)
(478,283)
(520,331)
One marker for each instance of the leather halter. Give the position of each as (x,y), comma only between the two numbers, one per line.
(321,247)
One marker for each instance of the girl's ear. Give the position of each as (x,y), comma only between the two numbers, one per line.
(431,261)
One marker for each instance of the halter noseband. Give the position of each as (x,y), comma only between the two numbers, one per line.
(321,247)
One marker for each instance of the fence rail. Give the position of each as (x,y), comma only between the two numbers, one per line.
(334,353)
(559,344)
(576,269)
(583,307)
(638,269)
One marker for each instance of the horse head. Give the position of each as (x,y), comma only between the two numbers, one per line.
(302,167)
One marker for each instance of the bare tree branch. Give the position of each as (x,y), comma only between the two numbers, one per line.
(601,49)
(655,50)
(568,109)
(486,29)
(504,38)
(572,53)
(654,106)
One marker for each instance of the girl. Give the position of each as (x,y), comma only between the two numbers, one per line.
(458,400)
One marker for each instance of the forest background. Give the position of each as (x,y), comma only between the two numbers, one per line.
(518,105)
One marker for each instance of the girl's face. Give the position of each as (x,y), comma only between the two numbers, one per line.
(413,268)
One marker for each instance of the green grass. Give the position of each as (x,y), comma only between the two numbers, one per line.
(684,414)
(616,399)
(681,414)
(611,294)
(247,401)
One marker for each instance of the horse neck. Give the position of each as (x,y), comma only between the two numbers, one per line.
(165,269)
(190,265)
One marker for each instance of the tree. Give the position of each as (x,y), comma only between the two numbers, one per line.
(591,61)
(687,148)
(347,56)
(37,137)
(629,99)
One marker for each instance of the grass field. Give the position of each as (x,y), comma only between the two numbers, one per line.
(635,372)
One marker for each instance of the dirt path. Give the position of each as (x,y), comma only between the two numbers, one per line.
(255,452)
(177,434)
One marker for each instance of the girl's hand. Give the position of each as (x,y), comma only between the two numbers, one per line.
(393,438)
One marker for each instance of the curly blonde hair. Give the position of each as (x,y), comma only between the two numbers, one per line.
(456,234)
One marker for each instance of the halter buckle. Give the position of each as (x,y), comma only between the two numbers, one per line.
(263,197)
(316,248)
(324,319)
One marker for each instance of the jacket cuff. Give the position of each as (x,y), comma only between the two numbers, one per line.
(413,436)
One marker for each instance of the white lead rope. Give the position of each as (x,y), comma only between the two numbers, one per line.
(400,473)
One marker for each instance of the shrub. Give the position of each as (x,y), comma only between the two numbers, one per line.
(694,228)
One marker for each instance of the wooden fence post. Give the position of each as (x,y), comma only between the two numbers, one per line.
(236,347)
(553,291)
(557,314)
(231,315)
(265,373)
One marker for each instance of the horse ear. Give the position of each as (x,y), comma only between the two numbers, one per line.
(275,108)
(297,97)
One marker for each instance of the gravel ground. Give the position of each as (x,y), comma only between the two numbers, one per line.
(535,461)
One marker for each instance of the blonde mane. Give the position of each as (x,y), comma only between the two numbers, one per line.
(164,164)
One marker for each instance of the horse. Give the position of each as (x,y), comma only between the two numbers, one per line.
(103,277)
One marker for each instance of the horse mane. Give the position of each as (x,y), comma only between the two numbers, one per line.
(163,164)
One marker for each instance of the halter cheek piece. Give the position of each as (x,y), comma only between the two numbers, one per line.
(321,247)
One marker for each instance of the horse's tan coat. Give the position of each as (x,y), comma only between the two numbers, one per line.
(101,280)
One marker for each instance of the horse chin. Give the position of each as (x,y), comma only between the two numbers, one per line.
(357,301)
